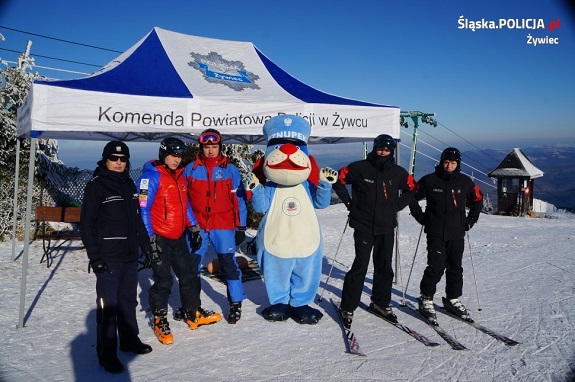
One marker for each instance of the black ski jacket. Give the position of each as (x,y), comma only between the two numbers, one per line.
(110,222)
(447,196)
(375,198)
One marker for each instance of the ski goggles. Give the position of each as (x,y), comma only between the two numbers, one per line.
(209,138)
(177,150)
(114,158)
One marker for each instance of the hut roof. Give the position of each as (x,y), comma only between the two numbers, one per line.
(516,164)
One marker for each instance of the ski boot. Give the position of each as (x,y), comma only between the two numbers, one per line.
(384,311)
(162,327)
(455,307)
(427,309)
(199,318)
(235,312)
(346,317)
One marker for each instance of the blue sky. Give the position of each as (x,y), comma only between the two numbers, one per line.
(490,87)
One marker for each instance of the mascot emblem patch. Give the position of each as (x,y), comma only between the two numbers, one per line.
(291,206)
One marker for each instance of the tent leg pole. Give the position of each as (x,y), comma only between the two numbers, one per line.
(15,203)
(31,168)
(397,258)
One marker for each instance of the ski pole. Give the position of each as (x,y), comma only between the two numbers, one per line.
(320,299)
(473,269)
(411,270)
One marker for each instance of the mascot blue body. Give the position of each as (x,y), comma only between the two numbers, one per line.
(289,240)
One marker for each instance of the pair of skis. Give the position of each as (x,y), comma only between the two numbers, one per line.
(456,344)
(354,348)
(352,344)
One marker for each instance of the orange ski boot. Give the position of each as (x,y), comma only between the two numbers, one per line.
(201,317)
(162,326)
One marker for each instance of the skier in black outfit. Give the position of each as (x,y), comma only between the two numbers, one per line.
(376,183)
(447,192)
(112,231)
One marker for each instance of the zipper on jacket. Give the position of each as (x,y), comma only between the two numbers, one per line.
(454,198)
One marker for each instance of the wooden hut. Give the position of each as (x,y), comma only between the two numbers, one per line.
(515,184)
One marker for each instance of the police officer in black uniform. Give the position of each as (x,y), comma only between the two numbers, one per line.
(113,232)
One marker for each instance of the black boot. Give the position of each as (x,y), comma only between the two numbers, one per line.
(112,365)
(136,346)
(235,312)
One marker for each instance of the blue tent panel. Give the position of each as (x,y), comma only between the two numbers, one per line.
(305,92)
(147,72)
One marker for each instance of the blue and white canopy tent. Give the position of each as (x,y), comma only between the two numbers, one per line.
(172,84)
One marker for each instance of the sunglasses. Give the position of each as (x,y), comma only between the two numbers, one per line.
(114,158)
(209,138)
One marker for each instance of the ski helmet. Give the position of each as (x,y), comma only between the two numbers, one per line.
(172,146)
(384,141)
(451,153)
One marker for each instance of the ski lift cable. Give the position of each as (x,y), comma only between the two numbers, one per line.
(438,150)
(54,58)
(49,68)
(448,129)
(59,39)
(463,172)
(446,145)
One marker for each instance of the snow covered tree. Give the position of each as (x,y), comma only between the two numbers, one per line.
(15,81)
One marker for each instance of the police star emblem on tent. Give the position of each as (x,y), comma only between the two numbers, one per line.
(218,70)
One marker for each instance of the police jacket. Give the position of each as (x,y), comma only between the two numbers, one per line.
(446,196)
(110,222)
(163,196)
(376,183)
(216,193)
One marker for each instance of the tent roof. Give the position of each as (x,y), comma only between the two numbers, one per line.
(175,84)
(516,165)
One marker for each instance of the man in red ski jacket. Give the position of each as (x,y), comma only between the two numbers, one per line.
(217,196)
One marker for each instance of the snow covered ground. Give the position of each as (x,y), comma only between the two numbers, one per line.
(525,272)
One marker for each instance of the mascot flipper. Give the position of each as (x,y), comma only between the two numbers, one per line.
(289,240)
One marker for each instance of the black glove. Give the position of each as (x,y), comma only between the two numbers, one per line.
(99,266)
(240,235)
(152,258)
(348,205)
(420,218)
(469,224)
(196,237)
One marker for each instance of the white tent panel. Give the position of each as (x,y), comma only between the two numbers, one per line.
(174,83)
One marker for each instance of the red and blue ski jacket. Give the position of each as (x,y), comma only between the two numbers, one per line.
(216,193)
(163,198)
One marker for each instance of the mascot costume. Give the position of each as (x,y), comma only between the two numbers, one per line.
(287,186)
